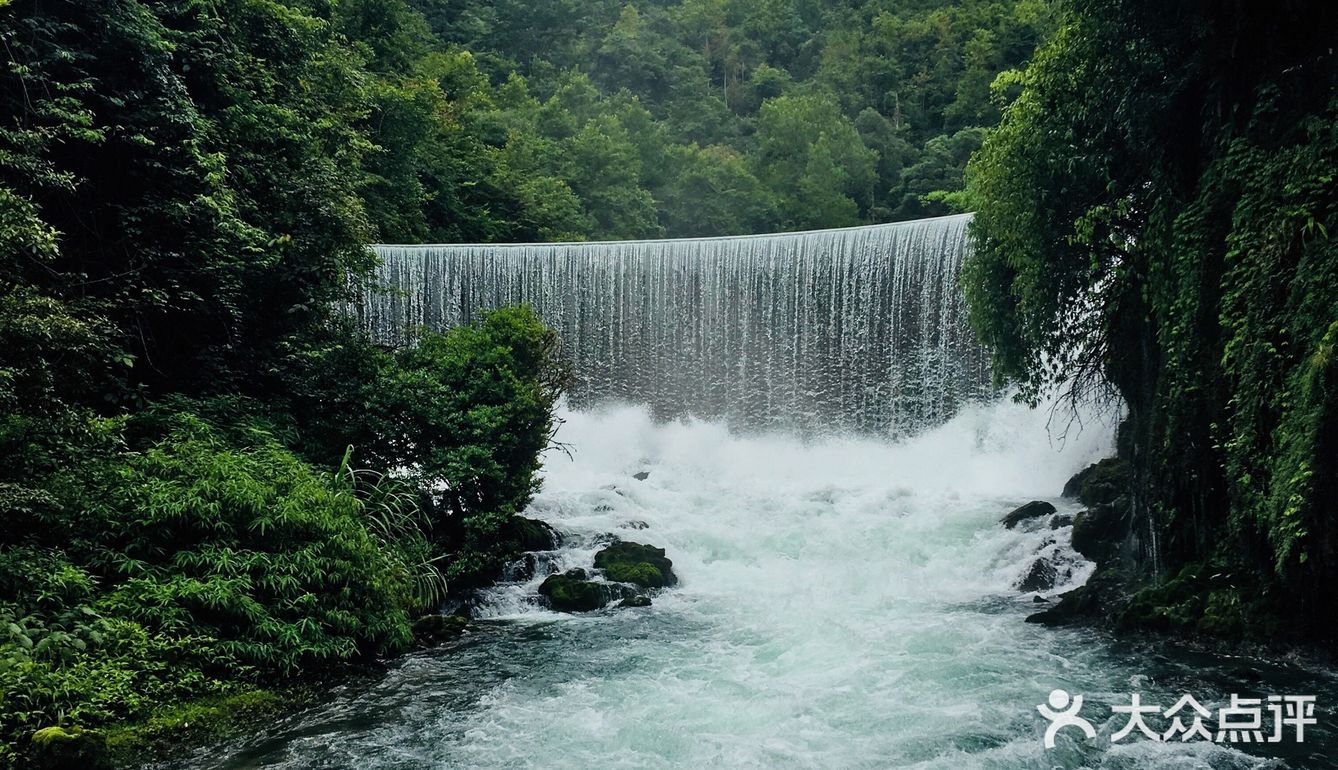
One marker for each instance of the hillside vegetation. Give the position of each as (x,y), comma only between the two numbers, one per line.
(1157,214)
(606,119)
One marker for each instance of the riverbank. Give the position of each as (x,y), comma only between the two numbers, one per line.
(162,565)
(1206,603)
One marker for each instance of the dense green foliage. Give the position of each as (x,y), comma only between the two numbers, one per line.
(466,414)
(1157,210)
(609,119)
(211,480)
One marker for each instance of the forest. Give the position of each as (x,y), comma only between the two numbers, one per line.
(214,482)
(585,119)
(198,493)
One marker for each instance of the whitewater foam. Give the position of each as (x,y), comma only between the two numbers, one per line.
(843,603)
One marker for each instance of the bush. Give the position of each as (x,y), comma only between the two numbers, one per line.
(243,543)
(465,413)
(190,562)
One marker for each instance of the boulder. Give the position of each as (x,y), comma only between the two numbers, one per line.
(439,628)
(1101,596)
(573,591)
(1080,603)
(1040,577)
(635,601)
(69,748)
(1100,483)
(642,565)
(1099,531)
(1074,485)
(1029,511)
(642,476)
(530,534)
(456,606)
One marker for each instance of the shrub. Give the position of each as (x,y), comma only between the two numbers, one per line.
(243,543)
(465,413)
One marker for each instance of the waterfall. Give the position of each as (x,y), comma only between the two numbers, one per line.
(857,329)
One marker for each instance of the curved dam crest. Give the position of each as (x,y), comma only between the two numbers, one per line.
(860,329)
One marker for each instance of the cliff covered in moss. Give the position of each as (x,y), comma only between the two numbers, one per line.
(1156,226)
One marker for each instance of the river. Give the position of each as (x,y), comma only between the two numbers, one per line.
(844,603)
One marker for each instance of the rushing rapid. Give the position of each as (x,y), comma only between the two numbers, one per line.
(844,603)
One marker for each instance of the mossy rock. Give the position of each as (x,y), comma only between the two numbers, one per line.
(1074,485)
(1101,483)
(1031,510)
(572,591)
(432,629)
(635,601)
(642,565)
(1099,531)
(524,534)
(68,748)
(178,728)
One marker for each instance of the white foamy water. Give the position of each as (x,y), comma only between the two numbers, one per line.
(842,604)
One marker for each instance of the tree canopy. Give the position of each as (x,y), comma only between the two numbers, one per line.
(717,117)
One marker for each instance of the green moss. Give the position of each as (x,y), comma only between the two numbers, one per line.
(640,573)
(1202,599)
(49,735)
(573,592)
(175,729)
(642,565)
(68,748)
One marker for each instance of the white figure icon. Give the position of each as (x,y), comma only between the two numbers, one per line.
(1063,712)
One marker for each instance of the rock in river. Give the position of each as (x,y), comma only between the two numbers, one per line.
(1041,577)
(1031,510)
(643,565)
(573,591)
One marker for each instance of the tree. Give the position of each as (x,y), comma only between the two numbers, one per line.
(713,192)
(813,153)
